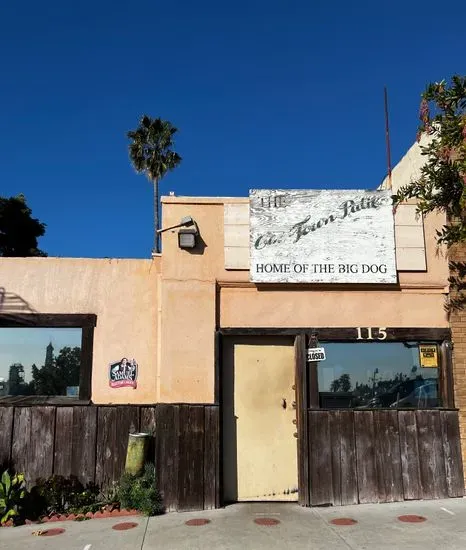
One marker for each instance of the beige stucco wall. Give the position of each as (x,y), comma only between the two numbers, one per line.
(123,295)
(249,307)
(189,306)
(198,294)
(409,167)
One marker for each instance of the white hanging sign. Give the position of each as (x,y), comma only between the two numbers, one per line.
(316,354)
(309,236)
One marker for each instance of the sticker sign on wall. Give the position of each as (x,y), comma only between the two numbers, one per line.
(316,354)
(428,356)
(330,236)
(123,373)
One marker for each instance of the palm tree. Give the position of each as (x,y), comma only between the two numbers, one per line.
(151,153)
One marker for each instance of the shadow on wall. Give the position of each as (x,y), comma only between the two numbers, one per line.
(200,247)
(13,306)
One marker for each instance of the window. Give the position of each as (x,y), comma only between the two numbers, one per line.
(376,375)
(48,362)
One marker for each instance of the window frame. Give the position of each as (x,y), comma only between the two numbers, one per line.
(440,377)
(86,322)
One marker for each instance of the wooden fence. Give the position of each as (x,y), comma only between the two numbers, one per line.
(90,443)
(354,456)
(383,456)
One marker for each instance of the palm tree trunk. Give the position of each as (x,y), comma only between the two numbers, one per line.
(156,216)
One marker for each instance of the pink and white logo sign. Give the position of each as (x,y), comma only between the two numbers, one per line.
(123,373)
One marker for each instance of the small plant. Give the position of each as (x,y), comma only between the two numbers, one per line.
(61,495)
(12,496)
(140,493)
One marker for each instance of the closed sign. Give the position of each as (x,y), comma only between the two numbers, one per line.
(316,354)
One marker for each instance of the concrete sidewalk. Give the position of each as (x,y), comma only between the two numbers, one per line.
(377,528)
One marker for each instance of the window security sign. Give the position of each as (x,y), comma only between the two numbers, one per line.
(331,236)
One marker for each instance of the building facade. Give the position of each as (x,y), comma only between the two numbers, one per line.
(375,421)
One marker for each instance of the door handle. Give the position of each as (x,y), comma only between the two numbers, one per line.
(284,403)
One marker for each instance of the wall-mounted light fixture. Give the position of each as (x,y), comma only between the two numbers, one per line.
(187,237)
(187,234)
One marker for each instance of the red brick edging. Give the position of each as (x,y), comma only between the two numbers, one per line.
(79,517)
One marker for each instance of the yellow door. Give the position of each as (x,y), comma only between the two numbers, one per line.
(260,449)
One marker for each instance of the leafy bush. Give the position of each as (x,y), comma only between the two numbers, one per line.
(61,495)
(140,493)
(12,496)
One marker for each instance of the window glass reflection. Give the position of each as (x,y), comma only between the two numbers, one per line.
(40,361)
(376,375)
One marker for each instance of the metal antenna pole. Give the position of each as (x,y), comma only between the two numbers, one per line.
(387,139)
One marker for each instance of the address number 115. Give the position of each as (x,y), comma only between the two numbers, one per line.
(369,333)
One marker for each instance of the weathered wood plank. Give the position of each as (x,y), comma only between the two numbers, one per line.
(21,439)
(105,463)
(148,425)
(452,453)
(40,452)
(84,443)
(387,456)
(409,236)
(335,454)
(320,460)
(63,449)
(167,453)
(211,457)
(6,433)
(431,457)
(365,452)
(446,370)
(127,422)
(236,258)
(191,462)
(406,215)
(236,235)
(114,426)
(348,475)
(236,213)
(410,467)
(301,392)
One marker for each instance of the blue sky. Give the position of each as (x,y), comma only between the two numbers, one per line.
(270,93)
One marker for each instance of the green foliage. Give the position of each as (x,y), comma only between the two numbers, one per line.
(140,493)
(16,383)
(151,148)
(19,231)
(151,153)
(342,384)
(442,183)
(441,186)
(61,495)
(12,496)
(54,378)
